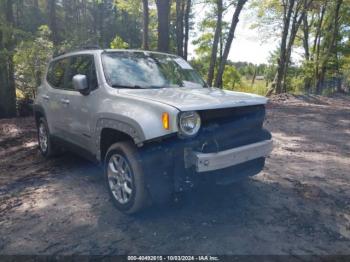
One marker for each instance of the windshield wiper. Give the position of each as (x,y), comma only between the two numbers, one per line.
(130,87)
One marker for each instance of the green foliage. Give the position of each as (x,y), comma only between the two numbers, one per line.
(268,18)
(132,7)
(201,65)
(118,24)
(346,70)
(307,69)
(30,60)
(206,28)
(203,43)
(231,77)
(258,88)
(118,43)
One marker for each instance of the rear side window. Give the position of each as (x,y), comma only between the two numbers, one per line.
(83,65)
(56,72)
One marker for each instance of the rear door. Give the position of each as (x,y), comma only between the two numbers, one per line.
(52,99)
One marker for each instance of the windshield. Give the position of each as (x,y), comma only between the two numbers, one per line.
(148,70)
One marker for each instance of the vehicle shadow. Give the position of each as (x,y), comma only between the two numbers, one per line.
(71,213)
(249,217)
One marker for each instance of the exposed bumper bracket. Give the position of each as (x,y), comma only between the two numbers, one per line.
(204,162)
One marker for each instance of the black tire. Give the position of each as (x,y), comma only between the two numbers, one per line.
(50,150)
(139,196)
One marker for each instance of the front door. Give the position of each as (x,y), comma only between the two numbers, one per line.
(77,107)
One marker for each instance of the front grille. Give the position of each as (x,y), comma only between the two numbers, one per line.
(224,115)
(231,127)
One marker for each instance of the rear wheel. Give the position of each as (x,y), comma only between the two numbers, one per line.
(125,179)
(46,145)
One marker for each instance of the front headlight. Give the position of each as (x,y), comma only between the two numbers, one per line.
(189,123)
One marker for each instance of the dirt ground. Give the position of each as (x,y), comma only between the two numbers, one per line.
(299,204)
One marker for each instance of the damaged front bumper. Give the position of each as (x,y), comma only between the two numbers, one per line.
(204,162)
(229,147)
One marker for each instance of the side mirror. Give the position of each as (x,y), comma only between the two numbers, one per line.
(80,83)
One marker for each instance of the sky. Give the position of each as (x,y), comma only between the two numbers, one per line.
(247,46)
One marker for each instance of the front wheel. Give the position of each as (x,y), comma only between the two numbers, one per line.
(125,179)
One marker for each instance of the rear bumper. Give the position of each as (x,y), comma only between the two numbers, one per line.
(204,162)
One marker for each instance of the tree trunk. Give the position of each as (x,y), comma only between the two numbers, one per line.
(306,37)
(214,49)
(180,27)
(163,10)
(296,22)
(231,33)
(101,24)
(272,87)
(282,58)
(19,13)
(306,31)
(36,4)
(53,24)
(187,27)
(317,43)
(145,23)
(254,76)
(337,68)
(7,81)
(318,29)
(331,47)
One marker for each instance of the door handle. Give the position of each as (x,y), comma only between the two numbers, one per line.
(65,101)
(46,97)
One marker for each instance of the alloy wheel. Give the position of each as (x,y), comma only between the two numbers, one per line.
(120,178)
(43,137)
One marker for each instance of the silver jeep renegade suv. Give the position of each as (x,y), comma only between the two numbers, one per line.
(151,121)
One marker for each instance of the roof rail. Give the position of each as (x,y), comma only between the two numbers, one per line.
(59,54)
(85,47)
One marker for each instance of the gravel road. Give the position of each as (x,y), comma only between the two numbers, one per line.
(299,204)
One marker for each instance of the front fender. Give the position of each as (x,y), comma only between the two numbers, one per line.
(122,124)
(141,120)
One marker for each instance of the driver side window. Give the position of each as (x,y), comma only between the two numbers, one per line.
(83,65)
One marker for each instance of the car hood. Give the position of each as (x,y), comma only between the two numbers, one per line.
(186,99)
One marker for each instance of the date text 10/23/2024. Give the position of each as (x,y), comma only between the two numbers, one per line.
(173,258)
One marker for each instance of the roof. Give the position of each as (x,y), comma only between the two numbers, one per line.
(99,51)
